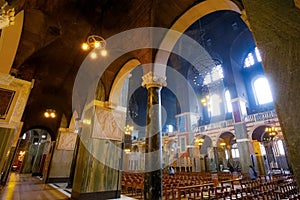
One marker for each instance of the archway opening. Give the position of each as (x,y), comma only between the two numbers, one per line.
(32,150)
(228,153)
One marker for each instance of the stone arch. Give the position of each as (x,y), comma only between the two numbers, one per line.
(225,133)
(221,132)
(208,143)
(114,97)
(47,129)
(182,24)
(250,131)
(35,144)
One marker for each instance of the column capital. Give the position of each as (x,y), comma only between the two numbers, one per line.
(152,80)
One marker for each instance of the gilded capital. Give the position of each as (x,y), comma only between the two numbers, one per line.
(151,80)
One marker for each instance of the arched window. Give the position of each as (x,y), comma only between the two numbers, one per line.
(215,105)
(281,151)
(214,75)
(252,58)
(257,54)
(262,91)
(228,101)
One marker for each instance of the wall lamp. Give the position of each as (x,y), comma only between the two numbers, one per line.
(50,113)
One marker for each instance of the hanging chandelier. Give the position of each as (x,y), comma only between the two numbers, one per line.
(7,16)
(95,42)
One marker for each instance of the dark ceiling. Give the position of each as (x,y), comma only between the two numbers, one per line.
(49,50)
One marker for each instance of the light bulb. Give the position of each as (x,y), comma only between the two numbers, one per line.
(46,114)
(103,52)
(93,55)
(52,115)
(96,44)
(85,46)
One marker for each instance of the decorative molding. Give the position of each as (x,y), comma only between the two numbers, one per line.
(22,90)
(6,79)
(66,141)
(104,104)
(239,99)
(108,124)
(243,140)
(152,80)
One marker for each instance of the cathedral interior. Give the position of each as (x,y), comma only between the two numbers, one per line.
(96,93)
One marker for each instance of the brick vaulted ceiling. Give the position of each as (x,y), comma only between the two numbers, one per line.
(49,50)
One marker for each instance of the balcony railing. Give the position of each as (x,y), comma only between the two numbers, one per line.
(250,118)
(261,116)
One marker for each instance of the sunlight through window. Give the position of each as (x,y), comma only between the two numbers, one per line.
(228,101)
(252,58)
(280,147)
(257,54)
(214,75)
(215,105)
(262,91)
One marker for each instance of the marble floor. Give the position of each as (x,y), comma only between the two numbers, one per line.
(27,187)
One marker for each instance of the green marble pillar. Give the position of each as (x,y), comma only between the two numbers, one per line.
(37,160)
(153,159)
(244,145)
(6,140)
(202,163)
(217,159)
(97,172)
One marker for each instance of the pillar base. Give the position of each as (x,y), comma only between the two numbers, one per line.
(58,180)
(96,195)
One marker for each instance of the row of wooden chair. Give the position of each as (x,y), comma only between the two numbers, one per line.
(183,186)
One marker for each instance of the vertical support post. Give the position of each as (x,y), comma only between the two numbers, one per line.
(245,147)
(217,160)
(73,165)
(153,157)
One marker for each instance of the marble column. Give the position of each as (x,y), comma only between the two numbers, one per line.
(259,158)
(61,161)
(37,159)
(202,163)
(153,153)
(5,145)
(217,159)
(97,172)
(245,146)
(73,164)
